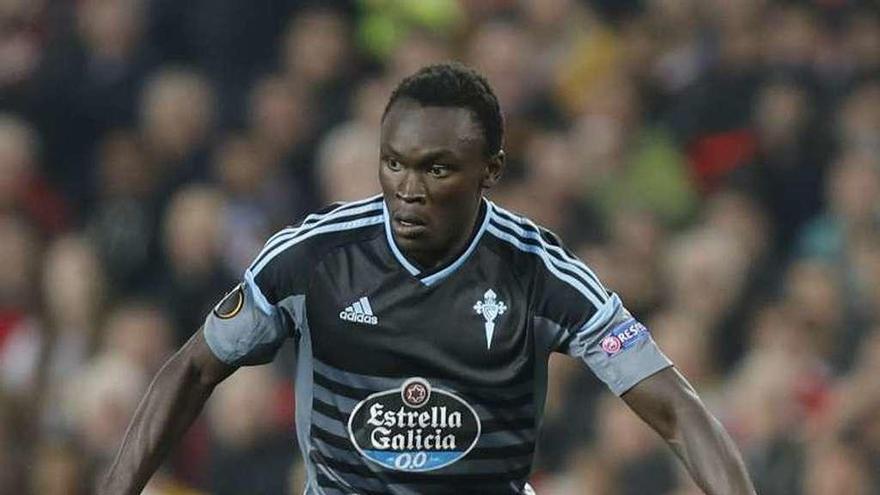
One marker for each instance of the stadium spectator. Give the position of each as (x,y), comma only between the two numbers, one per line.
(249,455)
(74,294)
(20,319)
(852,209)
(194,273)
(23,188)
(124,220)
(140,332)
(339,163)
(88,84)
(279,125)
(316,55)
(101,397)
(177,109)
(58,469)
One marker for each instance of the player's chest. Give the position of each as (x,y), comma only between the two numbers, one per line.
(381,321)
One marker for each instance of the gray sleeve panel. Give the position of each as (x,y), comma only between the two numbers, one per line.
(253,335)
(620,366)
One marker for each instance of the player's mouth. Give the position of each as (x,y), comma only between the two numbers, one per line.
(409,226)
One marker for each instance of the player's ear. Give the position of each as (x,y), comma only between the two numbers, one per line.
(494,170)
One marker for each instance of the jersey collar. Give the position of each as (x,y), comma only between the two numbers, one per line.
(431,277)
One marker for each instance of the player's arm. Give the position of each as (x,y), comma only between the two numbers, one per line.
(668,403)
(174,399)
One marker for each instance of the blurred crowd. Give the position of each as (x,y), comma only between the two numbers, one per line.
(717,162)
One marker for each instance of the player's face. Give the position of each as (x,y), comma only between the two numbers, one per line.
(433,168)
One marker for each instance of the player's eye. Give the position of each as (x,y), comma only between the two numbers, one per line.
(392,164)
(438,170)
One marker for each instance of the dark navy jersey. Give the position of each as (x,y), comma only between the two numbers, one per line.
(414,381)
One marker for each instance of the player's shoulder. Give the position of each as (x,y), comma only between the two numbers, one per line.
(340,217)
(541,253)
(521,234)
(334,225)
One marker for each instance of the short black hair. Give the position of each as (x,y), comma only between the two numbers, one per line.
(452,84)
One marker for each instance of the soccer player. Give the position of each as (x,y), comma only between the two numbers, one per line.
(423,320)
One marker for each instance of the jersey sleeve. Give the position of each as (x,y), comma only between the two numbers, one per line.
(616,347)
(591,323)
(252,321)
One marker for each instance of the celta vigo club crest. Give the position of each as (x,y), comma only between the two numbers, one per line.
(490,308)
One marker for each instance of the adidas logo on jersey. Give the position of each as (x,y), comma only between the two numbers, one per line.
(359,312)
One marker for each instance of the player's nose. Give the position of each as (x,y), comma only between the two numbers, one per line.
(411,188)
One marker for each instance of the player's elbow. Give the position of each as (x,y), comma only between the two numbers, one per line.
(682,407)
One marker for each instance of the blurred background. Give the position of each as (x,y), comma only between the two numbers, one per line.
(717,162)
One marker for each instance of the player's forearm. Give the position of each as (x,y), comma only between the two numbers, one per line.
(174,399)
(708,452)
(668,403)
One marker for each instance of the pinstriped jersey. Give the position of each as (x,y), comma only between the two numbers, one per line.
(424,381)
